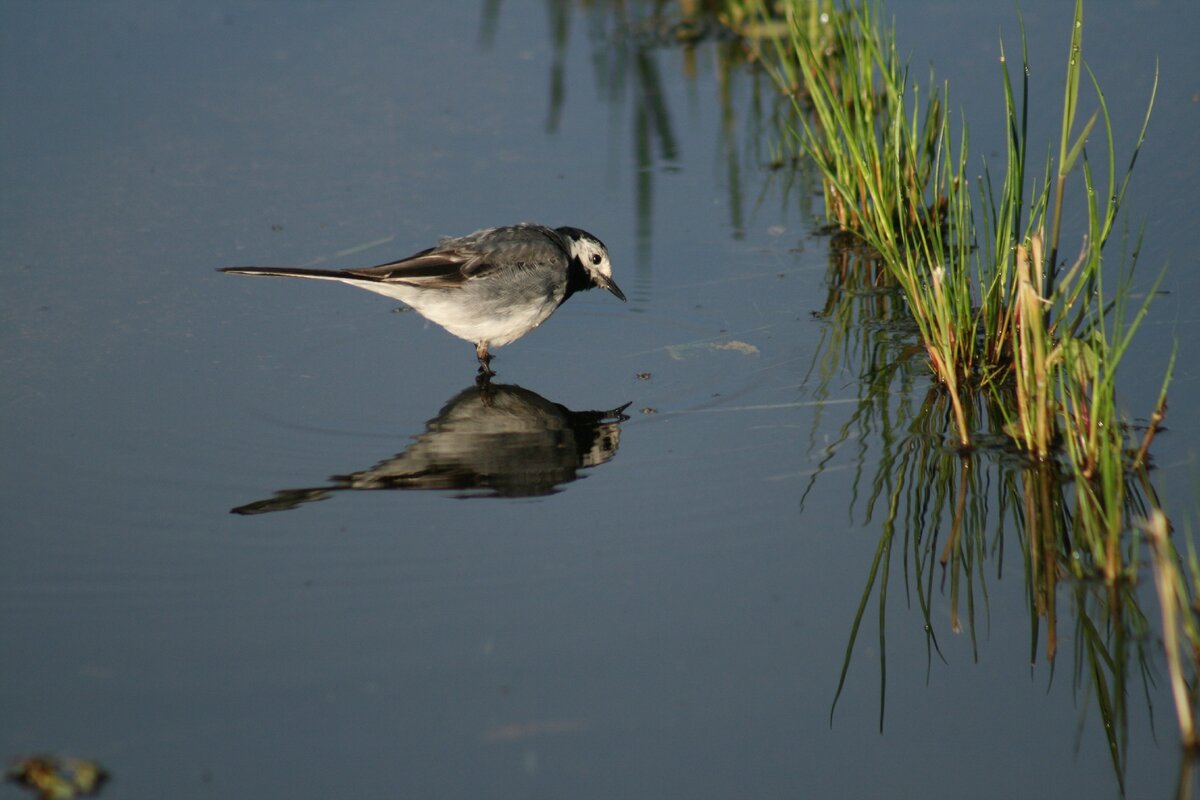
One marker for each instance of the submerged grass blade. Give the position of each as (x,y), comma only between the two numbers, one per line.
(882,554)
(1177,615)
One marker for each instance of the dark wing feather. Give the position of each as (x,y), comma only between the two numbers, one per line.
(453,262)
(434,268)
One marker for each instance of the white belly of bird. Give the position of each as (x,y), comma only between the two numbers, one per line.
(495,321)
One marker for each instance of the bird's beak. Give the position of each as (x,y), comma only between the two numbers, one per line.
(605,282)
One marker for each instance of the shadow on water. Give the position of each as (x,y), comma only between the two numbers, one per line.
(489,440)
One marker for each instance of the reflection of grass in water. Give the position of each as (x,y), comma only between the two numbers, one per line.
(947,516)
(1179,604)
(626,41)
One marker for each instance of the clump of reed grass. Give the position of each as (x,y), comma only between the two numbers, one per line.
(892,174)
(980,274)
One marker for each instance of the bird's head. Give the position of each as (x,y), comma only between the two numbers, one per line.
(592,255)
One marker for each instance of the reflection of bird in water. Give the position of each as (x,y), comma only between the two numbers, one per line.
(490,287)
(490,440)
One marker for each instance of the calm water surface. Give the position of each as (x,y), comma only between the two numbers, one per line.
(647,604)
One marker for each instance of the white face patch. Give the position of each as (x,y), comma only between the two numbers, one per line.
(592,255)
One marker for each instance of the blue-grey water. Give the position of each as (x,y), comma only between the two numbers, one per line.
(653,604)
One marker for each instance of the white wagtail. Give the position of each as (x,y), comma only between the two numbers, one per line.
(490,287)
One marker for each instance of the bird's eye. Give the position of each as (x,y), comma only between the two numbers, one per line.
(597,258)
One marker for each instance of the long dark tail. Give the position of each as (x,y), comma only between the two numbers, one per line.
(289,272)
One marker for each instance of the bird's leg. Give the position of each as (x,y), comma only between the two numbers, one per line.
(483,382)
(485,359)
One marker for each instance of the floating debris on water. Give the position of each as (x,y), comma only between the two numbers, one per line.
(58,778)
